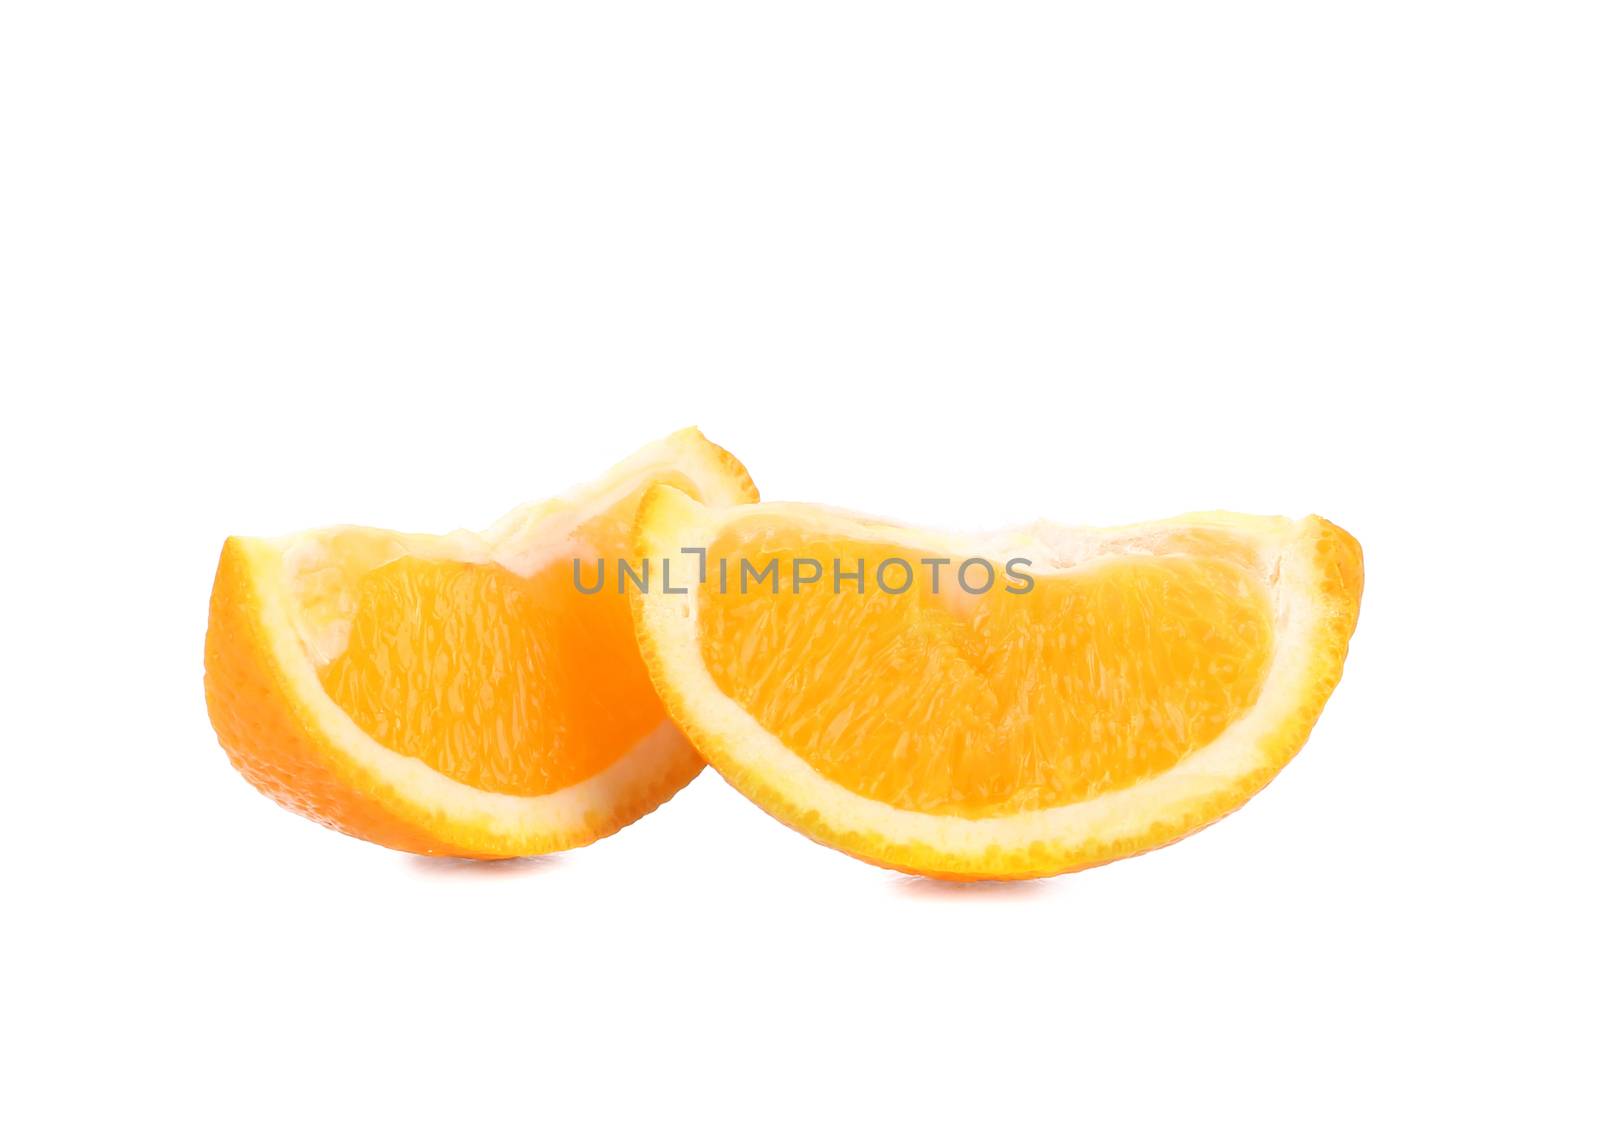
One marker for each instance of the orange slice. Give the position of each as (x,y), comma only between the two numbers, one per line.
(1057,698)
(455,694)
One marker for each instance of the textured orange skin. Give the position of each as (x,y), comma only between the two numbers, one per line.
(1339,561)
(281,755)
(283,752)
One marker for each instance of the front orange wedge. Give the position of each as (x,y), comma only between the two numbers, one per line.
(1002,706)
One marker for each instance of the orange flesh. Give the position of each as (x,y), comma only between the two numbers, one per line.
(987,704)
(508,684)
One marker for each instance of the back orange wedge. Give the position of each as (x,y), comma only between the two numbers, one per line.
(455,695)
(1010,705)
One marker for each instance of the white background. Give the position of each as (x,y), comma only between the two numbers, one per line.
(264,267)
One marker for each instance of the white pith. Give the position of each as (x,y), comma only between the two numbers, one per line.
(523,541)
(1287,573)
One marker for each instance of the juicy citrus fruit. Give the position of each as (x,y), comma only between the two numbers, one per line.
(455,694)
(923,702)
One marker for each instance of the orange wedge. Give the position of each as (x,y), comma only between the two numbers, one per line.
(1038,702)
(455,694)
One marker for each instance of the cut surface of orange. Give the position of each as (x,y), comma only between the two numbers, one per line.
(457,694)
(999,706)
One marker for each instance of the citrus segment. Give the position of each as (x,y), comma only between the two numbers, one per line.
(455,694)
(945,717)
